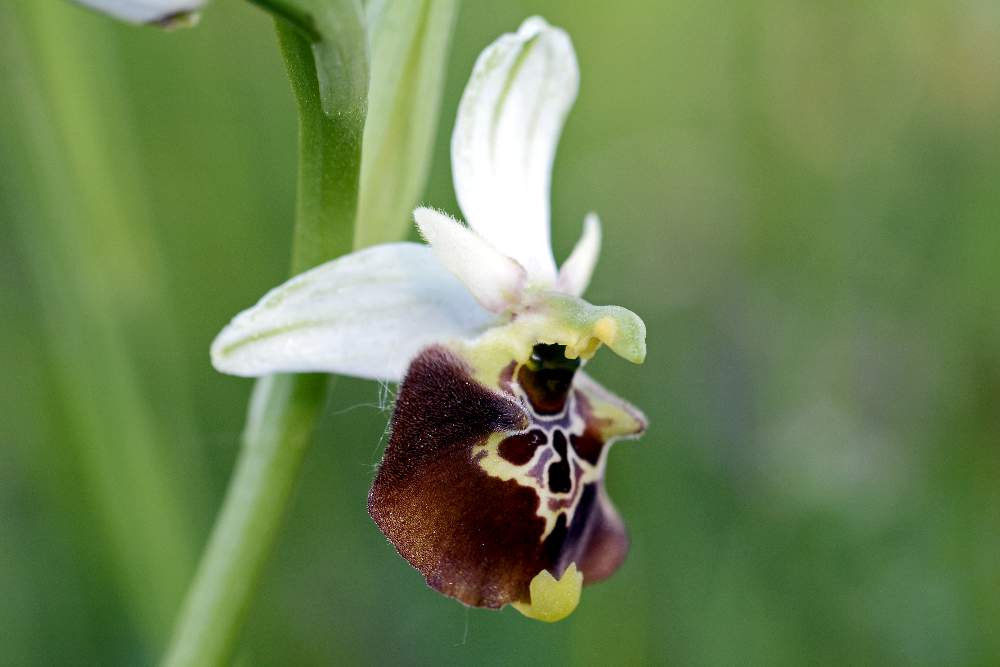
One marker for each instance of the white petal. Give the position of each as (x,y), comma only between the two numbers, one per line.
(366,314)
(144,11)
(497,281)
(505,138)
(575,273)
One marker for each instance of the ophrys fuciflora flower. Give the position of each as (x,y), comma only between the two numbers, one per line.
(492,481)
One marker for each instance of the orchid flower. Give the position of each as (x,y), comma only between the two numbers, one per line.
(492,481)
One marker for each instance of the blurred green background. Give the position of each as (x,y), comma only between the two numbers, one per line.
(800,198)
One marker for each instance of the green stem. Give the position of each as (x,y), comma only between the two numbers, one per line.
(284,408)
(283,411)
(329,161)
(293,14)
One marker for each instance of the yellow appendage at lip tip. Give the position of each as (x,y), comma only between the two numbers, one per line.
(552,599)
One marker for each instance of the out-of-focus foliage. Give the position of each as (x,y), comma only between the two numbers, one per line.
(802,201)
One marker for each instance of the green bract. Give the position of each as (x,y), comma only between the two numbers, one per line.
(409,44)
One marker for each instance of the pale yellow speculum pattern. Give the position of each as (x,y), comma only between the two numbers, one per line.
(582,328)
(487,455)
(552,599)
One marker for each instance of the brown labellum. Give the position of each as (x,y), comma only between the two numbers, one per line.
(481,487)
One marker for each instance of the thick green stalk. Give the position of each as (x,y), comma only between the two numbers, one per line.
(329,161)
(284,408)
(281,417)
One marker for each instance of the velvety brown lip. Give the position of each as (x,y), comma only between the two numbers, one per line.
(473,536)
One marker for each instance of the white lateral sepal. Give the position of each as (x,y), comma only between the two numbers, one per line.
(366,314)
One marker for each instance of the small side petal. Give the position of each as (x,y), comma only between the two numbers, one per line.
(575,273)
(366,314)
(497,281)
(505,138)
(163,12)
